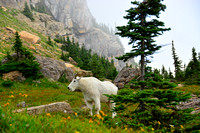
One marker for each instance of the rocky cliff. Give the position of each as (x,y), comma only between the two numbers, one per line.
(77,17)
(77,21)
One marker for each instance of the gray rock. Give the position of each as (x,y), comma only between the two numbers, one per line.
(126,75)
(48,108)
(54,69)
(21,104)
(14,76)
(193,102)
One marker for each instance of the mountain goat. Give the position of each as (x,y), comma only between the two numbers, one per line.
(93,90)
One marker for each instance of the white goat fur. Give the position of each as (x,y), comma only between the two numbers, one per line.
(93,90)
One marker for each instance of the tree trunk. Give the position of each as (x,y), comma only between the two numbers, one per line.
(142,104)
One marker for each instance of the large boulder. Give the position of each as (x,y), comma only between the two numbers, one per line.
(126,75)
(78,71)
(14,76)
(29,37)
(48,108)
(54,69)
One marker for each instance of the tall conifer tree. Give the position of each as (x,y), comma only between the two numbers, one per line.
(141,31)
(177,64)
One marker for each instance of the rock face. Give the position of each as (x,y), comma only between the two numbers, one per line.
(14,76)
(54,69)
(76,16)
(125,76)
(18,4)
(49,108)
(73,13)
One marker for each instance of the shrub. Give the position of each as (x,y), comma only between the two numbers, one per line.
(159,107)
(7,83)
(24,62)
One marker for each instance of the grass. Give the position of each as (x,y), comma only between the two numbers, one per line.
(43,92)
(194,89)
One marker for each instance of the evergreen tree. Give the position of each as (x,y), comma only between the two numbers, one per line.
(154,104)
(170,74)
(192,72)
(141,31)
(49,41)
(177,64)
(17,45)
(97,68)
(100,66)
(27,12)
(163,70)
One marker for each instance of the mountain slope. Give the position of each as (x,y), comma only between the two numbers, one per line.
(8,19)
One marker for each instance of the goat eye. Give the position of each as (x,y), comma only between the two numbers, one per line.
(74,80)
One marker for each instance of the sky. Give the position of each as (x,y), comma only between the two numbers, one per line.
(182,16)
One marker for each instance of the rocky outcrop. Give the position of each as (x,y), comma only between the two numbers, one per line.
(49,108)
(46,24)
(11,30)
(193,102)
(73,13)
(72,61)
(29,37)
(101,43)
(125,76)
(14,76)
(79,72)
(54,69)
(25,35)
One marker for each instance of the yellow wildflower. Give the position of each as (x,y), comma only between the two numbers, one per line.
(77,132)
(68,118)
(159,123)
(6,104)
(141,129)
(75,114)
(152,129)
(11,92)
(182,127)
(11,96)
(24,95)
(126,128)
(102,113)
(48,114)
(99,116)
(10,124)
(90,121)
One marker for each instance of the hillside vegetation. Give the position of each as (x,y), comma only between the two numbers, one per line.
(7,38)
